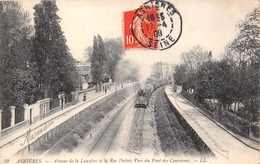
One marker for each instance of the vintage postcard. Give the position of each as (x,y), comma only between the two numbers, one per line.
(130,81)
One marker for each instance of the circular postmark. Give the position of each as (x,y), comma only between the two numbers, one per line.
(157,25)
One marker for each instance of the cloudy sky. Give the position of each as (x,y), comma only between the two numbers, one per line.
(209,23)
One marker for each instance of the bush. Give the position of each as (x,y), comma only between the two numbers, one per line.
(69,142)
(96,117)
(85,127)
(68,133)
(79,131)
(106,109)
(113,104)
(255,130)
(55,150)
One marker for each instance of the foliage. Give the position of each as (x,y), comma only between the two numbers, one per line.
(19,89)
(243,54)
(15,36)
(179,75)
(87,53)
(187,72)
(191,80)
(219,80)
(17,72)
(228,85)
(97,59)
(56,66)
(246,45)
(250,33)
(157,71)
(114,53)
(232,80)
(195,57)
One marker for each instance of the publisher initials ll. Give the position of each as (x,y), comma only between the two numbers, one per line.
(203,160)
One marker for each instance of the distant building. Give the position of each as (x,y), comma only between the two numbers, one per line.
(162,71)
(84,70)
(167,71)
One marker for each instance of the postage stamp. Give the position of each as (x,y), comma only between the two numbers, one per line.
(155,25)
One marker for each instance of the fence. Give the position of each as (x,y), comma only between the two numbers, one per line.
(46,107)
(230,120)
(68,99)
(54,103)
(11,129)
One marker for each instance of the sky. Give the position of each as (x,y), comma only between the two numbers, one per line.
(208,23)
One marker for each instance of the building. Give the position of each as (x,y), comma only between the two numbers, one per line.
(162,71)
(84,70)
(167,71)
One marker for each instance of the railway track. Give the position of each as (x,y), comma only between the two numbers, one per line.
(105,138)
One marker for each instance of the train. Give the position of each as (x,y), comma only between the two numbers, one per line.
(143,95)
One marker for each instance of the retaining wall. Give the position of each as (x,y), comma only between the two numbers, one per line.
(200,145)
(71,123)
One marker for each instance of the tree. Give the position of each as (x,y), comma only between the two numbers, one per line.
(193,60)
(243,53)
(229,90)
(87,53)
(249,35)
(191,80)
(56,66)
(179,75)
(15,35)
(127,70)
(195,57)
(157,71)
(206,83)
(114,53)
(17,82)
(97,59)
(216,82)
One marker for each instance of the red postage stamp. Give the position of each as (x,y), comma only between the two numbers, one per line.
(156,25)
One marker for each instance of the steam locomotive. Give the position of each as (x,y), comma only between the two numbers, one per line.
(143,95)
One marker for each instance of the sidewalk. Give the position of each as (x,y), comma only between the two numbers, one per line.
(227,147)
(248,142)
(13,143)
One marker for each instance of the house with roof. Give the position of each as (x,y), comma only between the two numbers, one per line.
(84,69)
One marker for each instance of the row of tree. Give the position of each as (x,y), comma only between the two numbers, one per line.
(157,72)
(232,80)
(106,58)
(35,62)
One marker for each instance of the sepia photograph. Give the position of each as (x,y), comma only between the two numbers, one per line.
(130,81)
